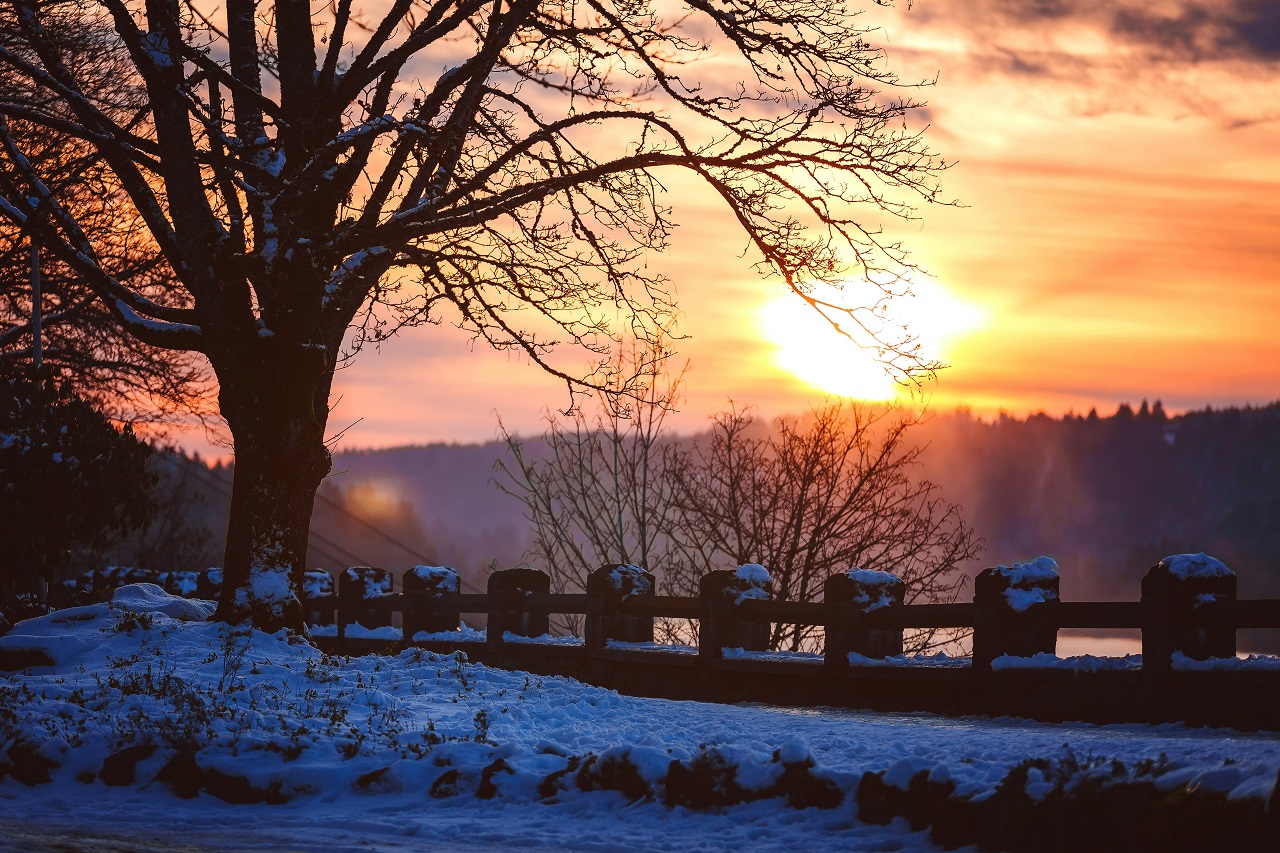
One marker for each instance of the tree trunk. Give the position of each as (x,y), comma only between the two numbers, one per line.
(277,409)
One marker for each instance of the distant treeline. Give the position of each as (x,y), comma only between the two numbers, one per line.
(1105,496)
(1108,496)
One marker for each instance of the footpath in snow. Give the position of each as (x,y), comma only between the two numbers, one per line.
(155,725)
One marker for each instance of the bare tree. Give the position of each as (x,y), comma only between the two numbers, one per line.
(807,498)
(812,497)
(303,167)
(601,494)
(80,341)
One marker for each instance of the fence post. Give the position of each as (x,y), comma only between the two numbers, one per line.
(318,597)
(181,583)
(438,612)
(609,586)
(208,584)
(849,597)
(507,612)
(719,627)
(1178,588)
(1013,611)
(357,585)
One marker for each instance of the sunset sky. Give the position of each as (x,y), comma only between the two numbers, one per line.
(1118,167)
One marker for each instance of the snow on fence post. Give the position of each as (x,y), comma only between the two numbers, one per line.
(719,626)
(181,583)
(508,590)
(1178,589)
(1013,611)
(849,596)
(356,586)
(318,597)
(609,586)
(208,584)
(436,608)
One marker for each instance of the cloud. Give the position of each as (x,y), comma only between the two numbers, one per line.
(1199,32)
(1181,31)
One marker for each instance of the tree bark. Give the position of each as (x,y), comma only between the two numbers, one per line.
(276,407)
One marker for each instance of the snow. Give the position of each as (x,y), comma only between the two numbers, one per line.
(149,598)
(359,745)
(1022,600)
(900,774)
(440,578)
(317,583)
(754,574)
(356,631)
(1079,663)
(783,657)
(870,577)
(754,583)
(542,639)
(1036,571)
(1254,662)
(939,659)
(184,581)
(376,581)
(462,635)
(651,647)
(1201,565)
(133,318)
(1028,583)
(630,578)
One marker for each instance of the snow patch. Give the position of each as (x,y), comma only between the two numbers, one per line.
(870,577)
(1022,600)
(149,598)
(1036,571)
(356,631)
(442,578)
(1201,565)
(461,635)
(1180,661)
(630,578)
(1081,663)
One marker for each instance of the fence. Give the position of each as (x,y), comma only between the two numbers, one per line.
(1188,619)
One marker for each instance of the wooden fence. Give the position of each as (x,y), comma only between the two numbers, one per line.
(1188,671)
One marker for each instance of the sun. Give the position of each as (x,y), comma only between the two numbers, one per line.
(807,347)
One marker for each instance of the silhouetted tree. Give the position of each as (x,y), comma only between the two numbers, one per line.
(81,340)
(302,167)
(808,498)
(69,479)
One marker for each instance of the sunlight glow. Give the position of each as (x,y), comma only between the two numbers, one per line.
(808,347)
(374,499)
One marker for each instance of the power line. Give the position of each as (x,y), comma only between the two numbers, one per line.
(222,487)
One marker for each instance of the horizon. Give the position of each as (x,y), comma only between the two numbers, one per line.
(987,418)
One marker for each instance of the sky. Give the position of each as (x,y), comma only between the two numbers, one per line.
(1116,237)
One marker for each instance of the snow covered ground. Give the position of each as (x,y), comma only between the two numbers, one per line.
(422,751)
